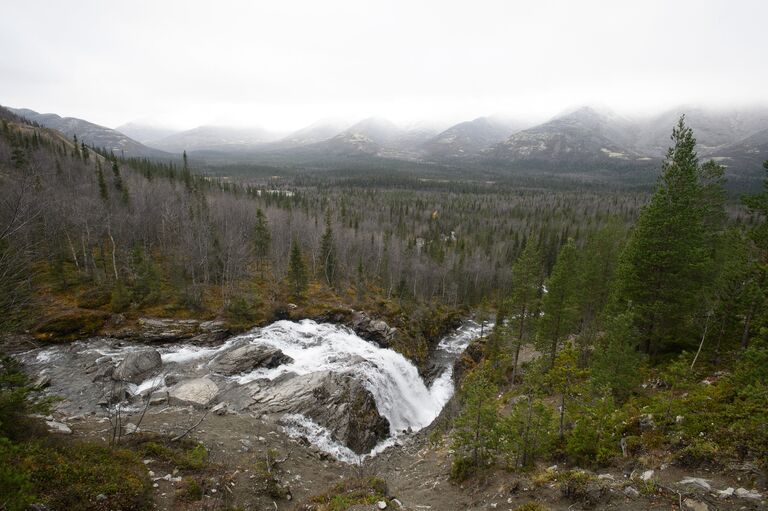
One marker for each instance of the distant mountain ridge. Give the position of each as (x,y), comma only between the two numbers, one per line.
(92,134)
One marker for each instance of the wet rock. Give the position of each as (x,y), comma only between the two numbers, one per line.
(339,402)
(695,505)
(42,381)
(247,358)
(174,330)
(197,392)
(374,330)
(137,366)
(58,427)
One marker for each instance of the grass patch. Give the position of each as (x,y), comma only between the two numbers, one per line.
(74,475)
(353,492)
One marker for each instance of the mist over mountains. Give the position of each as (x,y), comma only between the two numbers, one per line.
(586,139)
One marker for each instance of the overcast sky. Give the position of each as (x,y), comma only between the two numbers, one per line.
(284,63)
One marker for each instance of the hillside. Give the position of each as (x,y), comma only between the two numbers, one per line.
(93,135)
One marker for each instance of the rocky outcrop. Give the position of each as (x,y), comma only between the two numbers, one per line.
(173,330)
(336,401)
(137,366)
(247,358)
(370,329)
(197,392)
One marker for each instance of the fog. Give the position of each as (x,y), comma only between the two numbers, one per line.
(286,64)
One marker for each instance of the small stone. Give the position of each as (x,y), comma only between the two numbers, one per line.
(743,493)
(647,475)
(101,496)
(381,504)
(58,427)
(130,428)
(679,419)
(155,485)
(695,505)
(701,483)
(631,492)
(606,476)
(727,493)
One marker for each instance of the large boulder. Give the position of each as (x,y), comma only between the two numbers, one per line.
(247,358)
(374,330)
(137,366)
(339,402)
(197,392)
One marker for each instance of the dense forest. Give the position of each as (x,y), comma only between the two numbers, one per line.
(615,288)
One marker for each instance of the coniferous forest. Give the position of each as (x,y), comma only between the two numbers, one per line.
(623,328)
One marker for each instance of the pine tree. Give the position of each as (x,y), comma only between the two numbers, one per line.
(616,362)
(757,204)
(475,437)
(297,271)
(262,239)
(559,306)
(524,298)
(669,255)
(103,190)
(328,254)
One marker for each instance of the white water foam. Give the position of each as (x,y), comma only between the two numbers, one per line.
(400,394)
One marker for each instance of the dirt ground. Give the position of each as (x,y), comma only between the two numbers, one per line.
(416,471)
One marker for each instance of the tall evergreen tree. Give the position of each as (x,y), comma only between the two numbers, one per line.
(559,306)
(328,253)
(669,256)
(297,271)
(262,239)
(757,203)
(524,298)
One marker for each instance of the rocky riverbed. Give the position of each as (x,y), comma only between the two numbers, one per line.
(323,382)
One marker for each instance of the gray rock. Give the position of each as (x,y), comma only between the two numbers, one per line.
(42,381)
(58,427)
(247,358)
(647,475)
(381,504)
(197,392)
(697,481)
(631,492)
(743,493)
(137,366)
(695,505)
(339,402)
(727,493)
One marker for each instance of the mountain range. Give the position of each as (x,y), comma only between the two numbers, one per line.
(93,134)
(583,139)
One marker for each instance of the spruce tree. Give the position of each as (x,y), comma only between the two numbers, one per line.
(262,239)
(328,254)
(669,256)
(475,438)
(559,306)
(297,271)
(524,298)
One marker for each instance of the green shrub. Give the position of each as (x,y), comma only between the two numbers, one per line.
(461,468)
(189,490)
(531,506)
(698,453)
(350,493)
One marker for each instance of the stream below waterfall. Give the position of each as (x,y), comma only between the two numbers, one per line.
(310,350)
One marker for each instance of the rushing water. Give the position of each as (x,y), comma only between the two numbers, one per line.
(401,395)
